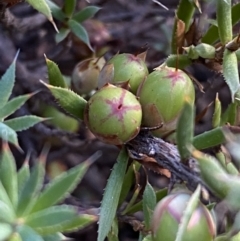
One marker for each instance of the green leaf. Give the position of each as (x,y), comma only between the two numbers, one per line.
(230,71)
(8,174)
(52,219)
(149,203)
(180,61)
(7,82)
(208,139)
(60,187)
(79,222)
(8,134)
(138,206)
(80,32)
(212,35)
(224,20)
(111,195)
(56,11)
(230,114)
(55,77)
(42,7)
(185,129)
(14,104)
(113,234)
(69,7)
(30,191)
(71,102)
(28,234)
(61,35)
(4,197)
(54,237)
(226,164)
(5,231)
(86,13)
(128,181)
(24,122)
(216,121)
(7,213)
(22,176)
(191,207)
(211,173)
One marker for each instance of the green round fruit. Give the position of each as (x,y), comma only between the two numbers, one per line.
(162,96)
(124,68)
(113,115)
(85,75)
(168,215)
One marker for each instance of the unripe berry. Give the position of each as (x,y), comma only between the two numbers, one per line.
(168,214)
(114,115)
(85,75)
(123,68)
(162,97)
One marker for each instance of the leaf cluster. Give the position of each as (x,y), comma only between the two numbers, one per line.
(28,209)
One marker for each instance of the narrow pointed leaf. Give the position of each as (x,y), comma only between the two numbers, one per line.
(5,230)
(62,34)
(113,234)
(79,222)
(230,71)
(52,220)
(80,32)
(111,195)
(13,105)
(31,189)
(8,174)
(86,13)
(138,206)
(230,114)
(228,166)
(128,181)
(217,113)
(8,134)
(56,10)
(24,122)
(6,83)
(212,35)
(191,206)
(61,186)
(185,129)
(22,176)
(69,7)
(149,203)
(55,77)
(6,213)
(224,20)
(43,8)
(4,197)
(28,234)
(69,101)
(209,139)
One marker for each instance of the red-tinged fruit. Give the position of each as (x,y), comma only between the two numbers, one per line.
(124,68)
(162,96)
(113,115)
(168,214)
